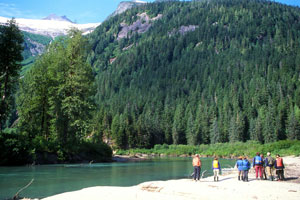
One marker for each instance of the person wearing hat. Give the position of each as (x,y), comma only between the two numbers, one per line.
(239,165)
(197,167)
(269,162)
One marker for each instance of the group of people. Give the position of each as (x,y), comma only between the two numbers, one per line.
(260,164)
(268,164)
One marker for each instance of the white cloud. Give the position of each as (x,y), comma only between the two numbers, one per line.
(10,10)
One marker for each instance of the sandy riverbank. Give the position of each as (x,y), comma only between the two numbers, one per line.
(227,188)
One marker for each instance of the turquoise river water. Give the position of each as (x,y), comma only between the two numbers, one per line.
(54,179)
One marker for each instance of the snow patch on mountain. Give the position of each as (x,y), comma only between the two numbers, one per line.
(52,27)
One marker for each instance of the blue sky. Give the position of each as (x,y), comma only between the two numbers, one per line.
(80,11)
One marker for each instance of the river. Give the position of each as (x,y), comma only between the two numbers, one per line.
(54,179)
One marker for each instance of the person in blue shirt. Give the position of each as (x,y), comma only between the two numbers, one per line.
(258,165)
(245,166)
(239,165)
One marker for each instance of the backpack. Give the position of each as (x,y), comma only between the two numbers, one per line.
(271,161)
(258,160)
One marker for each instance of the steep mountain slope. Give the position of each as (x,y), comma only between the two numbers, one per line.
(200,72)
(34,45)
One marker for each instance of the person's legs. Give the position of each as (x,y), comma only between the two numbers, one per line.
(256,171)
(281,174)
(216,174)
(278,174)
(195,172)
(260,172)
(272,173)
(268,169)
(240,173)
(263,172)
(246,175)
(199,173)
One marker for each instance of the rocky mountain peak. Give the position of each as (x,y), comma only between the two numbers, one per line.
(54,17)
(125,5)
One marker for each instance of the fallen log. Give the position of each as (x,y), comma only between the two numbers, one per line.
(16,197)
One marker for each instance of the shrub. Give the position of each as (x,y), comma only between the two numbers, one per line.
(13,148)
(248,148)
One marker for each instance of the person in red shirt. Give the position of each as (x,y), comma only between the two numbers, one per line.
(197,167)
(279,166)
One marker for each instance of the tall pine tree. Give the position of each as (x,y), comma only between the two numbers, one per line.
(11,40)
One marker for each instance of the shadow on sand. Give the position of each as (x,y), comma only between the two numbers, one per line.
(290,178)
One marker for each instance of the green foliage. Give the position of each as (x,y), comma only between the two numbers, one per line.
(98,152)
(293,127)
(55,102)
(13,147)
(250,148)
(11,48)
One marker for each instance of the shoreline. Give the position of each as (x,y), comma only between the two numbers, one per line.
(228,187)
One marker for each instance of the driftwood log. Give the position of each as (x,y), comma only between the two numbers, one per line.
(16,197)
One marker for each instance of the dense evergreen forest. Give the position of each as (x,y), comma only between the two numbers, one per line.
(172,72)
(234,77)
(54,104)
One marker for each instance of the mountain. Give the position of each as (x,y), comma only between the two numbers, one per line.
(57,18)
(34,45)
(39,33)
(125,5)
(51,26)
(198,72)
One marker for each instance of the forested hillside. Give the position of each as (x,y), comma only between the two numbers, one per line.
(198,72)
(171,72)
(34,45)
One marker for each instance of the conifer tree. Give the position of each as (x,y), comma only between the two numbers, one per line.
(270,132)
(257,133)
(293,127)
(55,99)
(178,130)
(191,133)
(11,49)
(215,132)
(233,137)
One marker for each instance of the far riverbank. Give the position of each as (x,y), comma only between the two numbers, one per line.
(222,150)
